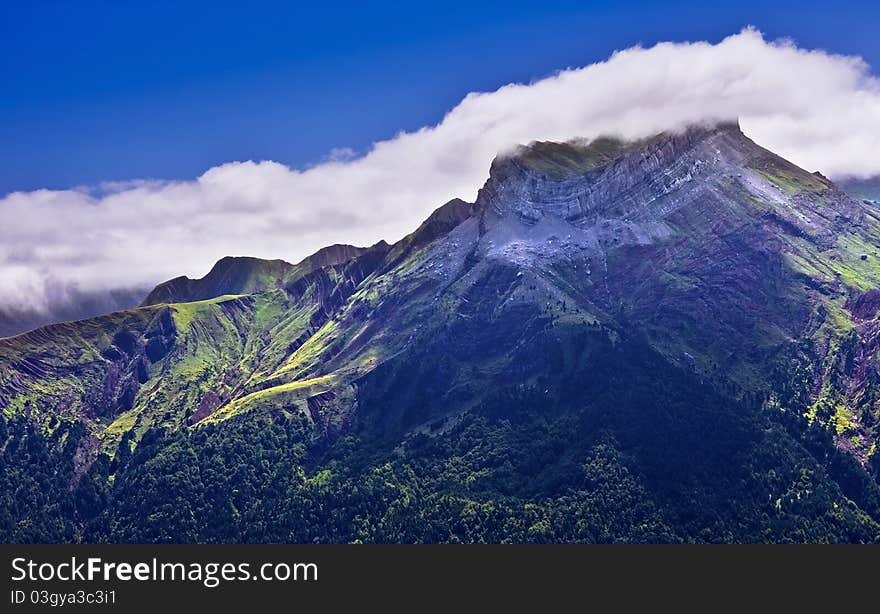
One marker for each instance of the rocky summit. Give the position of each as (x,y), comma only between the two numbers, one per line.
(674,339)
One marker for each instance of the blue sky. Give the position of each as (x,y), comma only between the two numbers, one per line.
(96,91)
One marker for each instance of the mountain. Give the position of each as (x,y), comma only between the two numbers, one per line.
(864,189)
(674,339)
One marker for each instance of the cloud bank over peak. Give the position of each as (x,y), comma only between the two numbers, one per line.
(821,111)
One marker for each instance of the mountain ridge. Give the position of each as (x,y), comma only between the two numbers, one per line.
(245,275)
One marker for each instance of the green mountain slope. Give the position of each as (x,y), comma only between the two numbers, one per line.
(669,340)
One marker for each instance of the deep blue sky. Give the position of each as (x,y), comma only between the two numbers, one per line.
(96,91)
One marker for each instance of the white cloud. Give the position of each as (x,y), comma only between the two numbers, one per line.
(822,111)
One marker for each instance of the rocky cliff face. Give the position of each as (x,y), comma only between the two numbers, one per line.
(626,180)
(632,192)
